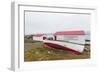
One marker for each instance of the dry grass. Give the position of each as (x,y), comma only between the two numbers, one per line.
(37,52)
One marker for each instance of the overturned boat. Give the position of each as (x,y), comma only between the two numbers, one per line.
(68,46)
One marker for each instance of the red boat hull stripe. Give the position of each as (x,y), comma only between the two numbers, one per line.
(61,47)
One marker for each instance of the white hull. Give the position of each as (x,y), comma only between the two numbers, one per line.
(72,46)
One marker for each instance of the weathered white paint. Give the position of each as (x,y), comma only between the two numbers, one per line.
(76,47)
(72,38)
(50,36)
(38,38)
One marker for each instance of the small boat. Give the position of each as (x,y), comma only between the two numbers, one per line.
(68,46)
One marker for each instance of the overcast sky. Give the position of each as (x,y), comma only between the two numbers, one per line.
(40,22)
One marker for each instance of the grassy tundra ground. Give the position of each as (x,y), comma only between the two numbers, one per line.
(35,51)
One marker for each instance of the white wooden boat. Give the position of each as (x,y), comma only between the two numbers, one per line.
(69,46)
